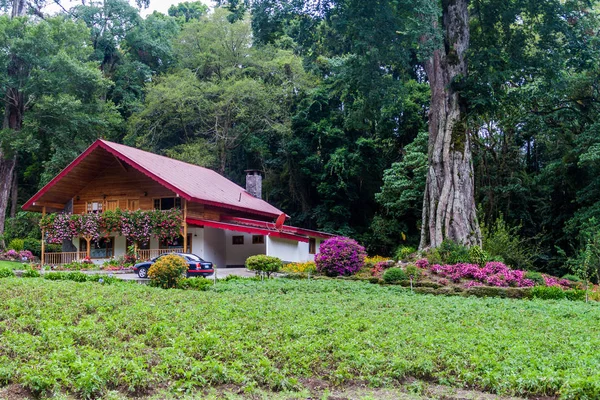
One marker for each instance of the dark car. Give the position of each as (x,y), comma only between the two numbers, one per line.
(197,266)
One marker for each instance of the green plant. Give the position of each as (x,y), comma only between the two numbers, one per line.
(571,277)
(537,277)
(201,284)
(434,257)
(30,273)
(6,272)
(394,275)
(411,270)
(453,253)
(403,253)
(478,256)
(33,245)
(16,244)
(264,264)
(502,240)
(167,271)
(547,293)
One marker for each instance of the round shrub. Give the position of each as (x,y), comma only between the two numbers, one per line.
(264,264)
(167,271)
(478,256)
(537,277)
(394,275)
(16,244)
(340,256)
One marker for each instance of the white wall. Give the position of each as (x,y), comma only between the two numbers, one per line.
(197,241)
(290,250)
(120,246)
(214,246)
(236,254)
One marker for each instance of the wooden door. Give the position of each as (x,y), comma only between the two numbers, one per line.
(112,205)
(133,204)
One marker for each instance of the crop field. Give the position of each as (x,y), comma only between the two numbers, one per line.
(87,339)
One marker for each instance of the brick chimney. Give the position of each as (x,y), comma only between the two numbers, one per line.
(254,182)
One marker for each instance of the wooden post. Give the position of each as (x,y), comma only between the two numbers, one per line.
(87,241)
(185,240)
(43,255)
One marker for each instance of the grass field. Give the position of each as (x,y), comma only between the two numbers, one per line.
(285,335)
(11,264)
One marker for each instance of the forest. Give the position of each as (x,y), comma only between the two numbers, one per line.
(335,102)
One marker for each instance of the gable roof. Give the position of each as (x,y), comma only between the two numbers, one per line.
(192,182)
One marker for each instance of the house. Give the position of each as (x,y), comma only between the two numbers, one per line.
(222,222)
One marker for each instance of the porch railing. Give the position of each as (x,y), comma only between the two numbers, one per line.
(147,254)
(63,258)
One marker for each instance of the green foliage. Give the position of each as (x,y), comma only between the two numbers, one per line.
(33,245)
(547,292)
(201,284)
(16,244)
(188,10)
(572,278)
(403,253)
(264,264)
(29,272)
(394,275)
(24,225)
(6,272)
(501,240)
(104,338)
(536,277)
(167,271)
(411,270)
(478,256)
(453,253)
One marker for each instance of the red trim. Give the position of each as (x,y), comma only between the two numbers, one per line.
(201,271)
(246,229)
(62,173)
(270,225)
(223,205)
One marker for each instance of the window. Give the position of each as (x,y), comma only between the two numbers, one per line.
(237,240)
(258,239)
(312,246)
(104,248)
(177,244)
(167,203)
(94,207)
(141,245)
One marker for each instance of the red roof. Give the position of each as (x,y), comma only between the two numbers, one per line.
(190,181)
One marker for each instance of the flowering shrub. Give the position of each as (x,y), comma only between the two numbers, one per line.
(340,256)
(167,271)
(13,255)
(422,263)
(379,268)
(493,274)
(551,281)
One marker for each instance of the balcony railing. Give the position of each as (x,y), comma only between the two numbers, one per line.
(63,258)
(147,254)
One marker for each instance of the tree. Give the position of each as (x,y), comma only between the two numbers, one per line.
(188,10)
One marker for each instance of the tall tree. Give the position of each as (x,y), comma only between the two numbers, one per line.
(449,209)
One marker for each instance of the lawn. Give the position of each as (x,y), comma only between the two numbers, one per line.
(11,264)
(88,339)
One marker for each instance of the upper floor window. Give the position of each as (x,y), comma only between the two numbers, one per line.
(312,246)
(94,207)
(167,203)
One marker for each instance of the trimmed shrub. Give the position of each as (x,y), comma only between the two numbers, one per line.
(403,253)
(537,277)
(340,256)
(6,272)
(394,275)
(16,244)
(264,264)
(547,293)
(167,271)
(575,295)
(200,284)
(425,290)
(478,256)
(571,277)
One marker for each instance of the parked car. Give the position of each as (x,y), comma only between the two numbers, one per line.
(197,266)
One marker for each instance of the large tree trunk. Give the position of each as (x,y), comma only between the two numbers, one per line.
(14,194)
(449,203)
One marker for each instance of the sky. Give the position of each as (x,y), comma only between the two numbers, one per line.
(155,5)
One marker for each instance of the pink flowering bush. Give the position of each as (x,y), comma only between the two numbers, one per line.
(493,274)
(340,256)
(422,263)
(556,282)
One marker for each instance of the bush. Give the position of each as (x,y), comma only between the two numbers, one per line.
(16,244)
(453,253)
(547,293)
(6,272)
(571,277)
(403,253)
(201,284)
(434,257)
(537,277)
(33,245)
(478,256)
(264,264)
(300,268)
(412,270)
(30,273)
(503,241)
(394,275)
(575,295)
(340,256)
(167,271)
